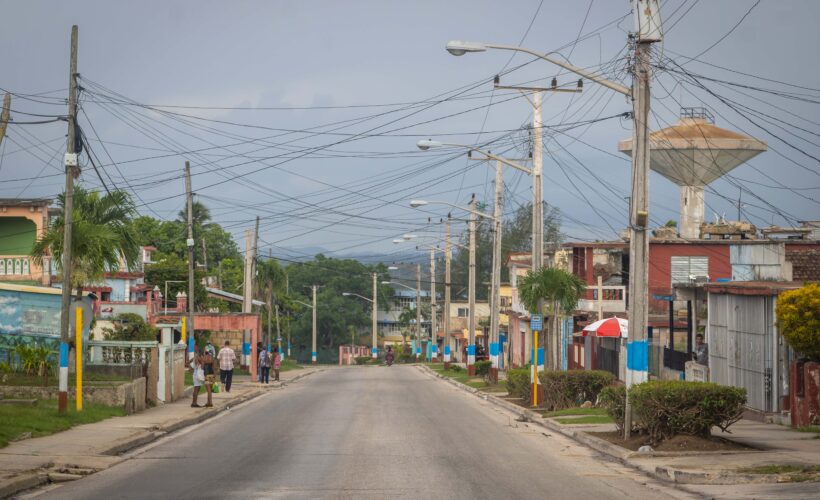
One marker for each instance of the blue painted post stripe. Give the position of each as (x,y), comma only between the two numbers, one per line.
(471,350)
(63,355)
(191,344)
(540,356)
(446,349)
(494,348)
(246,348)
(313,354)
(637,355)
(376,350)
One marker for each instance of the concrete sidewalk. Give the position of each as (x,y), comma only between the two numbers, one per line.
(88,448)
(774,445)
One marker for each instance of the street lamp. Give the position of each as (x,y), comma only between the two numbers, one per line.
(373,314)
(648,30)
(471,275)
(538,236)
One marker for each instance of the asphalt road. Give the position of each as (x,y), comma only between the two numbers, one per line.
(366,432)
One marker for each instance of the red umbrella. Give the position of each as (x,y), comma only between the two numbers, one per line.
(609,327)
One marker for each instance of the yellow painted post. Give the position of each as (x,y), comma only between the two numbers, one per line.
(535,368)
(184,328)
(78,334)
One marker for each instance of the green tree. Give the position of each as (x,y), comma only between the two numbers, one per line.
(560,291)
(102,236)
(128,326)
(172,268)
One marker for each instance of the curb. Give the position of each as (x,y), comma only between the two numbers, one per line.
(666,474)
(23,482)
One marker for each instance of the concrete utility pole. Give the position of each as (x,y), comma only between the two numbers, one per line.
(375,316)
(496,274)
(189,195)
(5,116)
(448,254)
(72,170)
(278,331)
(471,293)
(247,296)
(313,338)
(433,340)
(418,311)
(638,220)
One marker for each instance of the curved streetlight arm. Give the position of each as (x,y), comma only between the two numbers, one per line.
(569,67)
(399,284)
(346,294)
(303,303)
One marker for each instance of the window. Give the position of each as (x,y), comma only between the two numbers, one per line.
(18,266)
(2,266)
(26,269)
(687,269)
(506,301)
(463,312)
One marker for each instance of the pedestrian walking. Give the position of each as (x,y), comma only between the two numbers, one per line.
(207,362)
(198,375)
(226,358)
(701,354)
(277,363)
(264,366)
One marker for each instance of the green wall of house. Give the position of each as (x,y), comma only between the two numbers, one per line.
(17,235)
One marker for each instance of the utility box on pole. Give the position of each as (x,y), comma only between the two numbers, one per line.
(647,14)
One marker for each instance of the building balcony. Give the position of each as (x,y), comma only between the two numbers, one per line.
(613,299)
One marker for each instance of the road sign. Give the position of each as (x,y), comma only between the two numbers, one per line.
(657,296)
(536,322)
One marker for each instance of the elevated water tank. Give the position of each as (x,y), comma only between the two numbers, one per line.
(693,153)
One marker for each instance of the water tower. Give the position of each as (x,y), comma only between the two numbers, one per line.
(693,153)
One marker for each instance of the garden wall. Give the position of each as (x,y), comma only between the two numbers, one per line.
(129,395)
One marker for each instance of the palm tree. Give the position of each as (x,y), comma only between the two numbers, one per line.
(201,214)
(102,237)
(559,290)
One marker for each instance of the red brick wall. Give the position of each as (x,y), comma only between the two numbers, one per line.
(805,259)
(660,267)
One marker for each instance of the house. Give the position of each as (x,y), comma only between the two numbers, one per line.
(388,326)
(22,222)
(459,323)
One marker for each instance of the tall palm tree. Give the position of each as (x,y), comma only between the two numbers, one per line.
(102,236)
(201,214)
(560,291)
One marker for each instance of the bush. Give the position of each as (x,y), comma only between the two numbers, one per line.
(667,408)
(362,360)
(518,384)
(571,388)
(482,368)
(613,399)
(406,357)
(798,317)
(455,368)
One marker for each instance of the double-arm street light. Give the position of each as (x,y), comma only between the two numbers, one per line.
(538,236)
(471,275)
(648,30)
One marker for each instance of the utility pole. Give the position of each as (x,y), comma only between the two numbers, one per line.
(375,316)
(447,256)
(418,311)
(600,298)
(648,31)
(189,196)
(278,331)
(247,298)
(471,293)
(537,214)
(72,170)
(5,116)
(433,340)
(496,275)
(287,292)
(313,338)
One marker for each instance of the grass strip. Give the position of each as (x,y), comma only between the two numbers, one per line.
(43,418)
(588,419)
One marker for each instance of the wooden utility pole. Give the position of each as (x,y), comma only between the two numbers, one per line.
(72,170)
(5,116)
(189,196)
(471,292)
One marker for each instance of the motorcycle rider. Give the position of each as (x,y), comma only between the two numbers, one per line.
(388,356)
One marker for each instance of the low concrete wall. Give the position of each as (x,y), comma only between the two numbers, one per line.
(129,395)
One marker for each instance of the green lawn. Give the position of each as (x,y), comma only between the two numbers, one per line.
(575,411)
(460,376)
(21,379)
(588,419)
(794,473)
(43,419)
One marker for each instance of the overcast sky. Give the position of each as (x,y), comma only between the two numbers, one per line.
(370,78)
